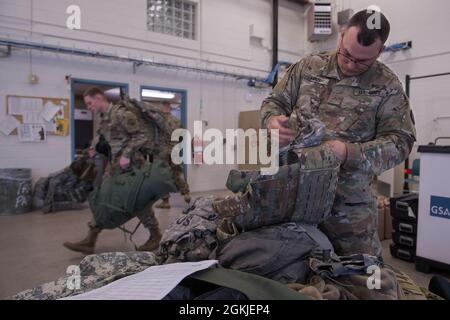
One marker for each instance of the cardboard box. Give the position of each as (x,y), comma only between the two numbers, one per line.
(249,120)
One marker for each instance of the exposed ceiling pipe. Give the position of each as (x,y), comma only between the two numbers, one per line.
(135,62)
(274,38)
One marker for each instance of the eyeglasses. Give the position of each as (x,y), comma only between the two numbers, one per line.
(357,62)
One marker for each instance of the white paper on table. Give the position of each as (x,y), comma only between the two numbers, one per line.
(49,111)
(8,124)
(154,283)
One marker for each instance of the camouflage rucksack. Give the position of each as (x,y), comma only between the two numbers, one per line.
(153,116)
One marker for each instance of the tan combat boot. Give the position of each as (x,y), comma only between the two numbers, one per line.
(152,242)
(87,245)
(164,204)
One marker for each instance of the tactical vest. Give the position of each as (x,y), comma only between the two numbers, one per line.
(300,192)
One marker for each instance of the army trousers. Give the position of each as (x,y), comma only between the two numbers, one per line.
(177,172)
(353,229)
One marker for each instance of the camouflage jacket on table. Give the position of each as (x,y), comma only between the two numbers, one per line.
(96,271)
(369,112)
(125,130)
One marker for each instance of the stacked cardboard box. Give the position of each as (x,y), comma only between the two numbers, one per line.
(384,218)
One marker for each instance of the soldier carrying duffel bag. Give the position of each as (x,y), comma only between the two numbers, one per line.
(131,184)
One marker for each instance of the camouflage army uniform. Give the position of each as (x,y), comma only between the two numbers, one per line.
(371,114)
(95,271)
(173,123)
(126,133)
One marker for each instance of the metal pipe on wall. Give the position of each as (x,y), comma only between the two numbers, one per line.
(274,38)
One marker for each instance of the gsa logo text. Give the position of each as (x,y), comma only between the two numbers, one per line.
(440,207)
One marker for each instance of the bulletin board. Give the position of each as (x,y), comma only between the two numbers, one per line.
(50,114)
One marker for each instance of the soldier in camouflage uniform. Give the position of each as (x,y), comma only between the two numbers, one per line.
(173,123)
(369,124)
(126,133)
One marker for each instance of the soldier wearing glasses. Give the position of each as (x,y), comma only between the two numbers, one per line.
(370,126)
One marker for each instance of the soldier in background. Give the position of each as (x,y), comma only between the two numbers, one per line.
(126,133)
(173,123)
(370,126)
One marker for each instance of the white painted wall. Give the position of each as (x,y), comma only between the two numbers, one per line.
(119,27)
(223,43)
(426,24)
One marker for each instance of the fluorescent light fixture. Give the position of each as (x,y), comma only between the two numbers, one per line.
(147,93)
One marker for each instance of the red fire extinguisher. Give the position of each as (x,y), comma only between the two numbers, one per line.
(198,150)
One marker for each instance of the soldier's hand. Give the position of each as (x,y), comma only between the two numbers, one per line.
(339,148)
(285,134)
(91,152)
(124,162)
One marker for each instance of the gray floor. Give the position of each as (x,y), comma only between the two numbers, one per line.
(31,251)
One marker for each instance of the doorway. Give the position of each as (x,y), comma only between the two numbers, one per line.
(177,99)
(84,123)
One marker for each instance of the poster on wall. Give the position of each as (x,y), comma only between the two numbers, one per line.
(8,124)
(62,127)
(32,132)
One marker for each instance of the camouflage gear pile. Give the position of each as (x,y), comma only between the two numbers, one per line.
(353,287)
(66,189)
(370,113)
(95,272)
(278,252)
(300,192)
(192,236)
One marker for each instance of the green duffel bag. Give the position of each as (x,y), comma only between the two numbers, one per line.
(121,197)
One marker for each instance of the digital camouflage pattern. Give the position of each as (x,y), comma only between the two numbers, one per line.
(192,236)
(95,271)
(371,114)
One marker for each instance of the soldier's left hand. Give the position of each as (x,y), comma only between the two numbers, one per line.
(124,162)
(339,148)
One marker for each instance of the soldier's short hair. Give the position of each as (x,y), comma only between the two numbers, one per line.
(93,91)
(367,36)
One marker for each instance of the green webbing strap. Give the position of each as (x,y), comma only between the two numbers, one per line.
(253,286)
